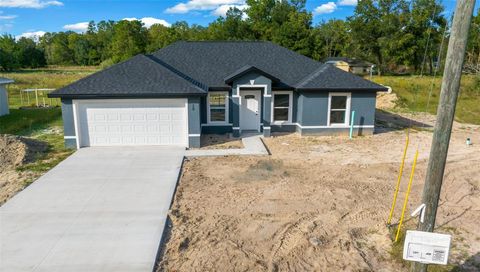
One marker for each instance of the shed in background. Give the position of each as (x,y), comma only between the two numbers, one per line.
(4,95)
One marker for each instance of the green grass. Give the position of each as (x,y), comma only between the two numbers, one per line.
(413,93)
(44,124)
(52,77)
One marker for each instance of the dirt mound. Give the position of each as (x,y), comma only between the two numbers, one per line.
(14,152)
(386,101)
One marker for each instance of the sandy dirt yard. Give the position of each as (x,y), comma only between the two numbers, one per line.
(16,151)
(319,204)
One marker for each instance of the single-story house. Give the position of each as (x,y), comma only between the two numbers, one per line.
(4,96)
(187,89)
(352,65)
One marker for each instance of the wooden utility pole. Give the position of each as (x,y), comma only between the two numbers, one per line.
(445,114)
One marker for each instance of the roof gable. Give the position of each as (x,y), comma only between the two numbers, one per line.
(329,77)
(248,69)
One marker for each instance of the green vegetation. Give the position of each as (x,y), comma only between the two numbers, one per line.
(44,124)
(51,77)
(395,35)
(413,92)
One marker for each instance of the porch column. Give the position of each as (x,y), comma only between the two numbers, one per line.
(236,112)
(194,127)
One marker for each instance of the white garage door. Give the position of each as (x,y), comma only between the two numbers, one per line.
(132,122)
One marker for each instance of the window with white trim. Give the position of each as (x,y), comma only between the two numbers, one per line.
(339,109)
(218,107)
(282,107)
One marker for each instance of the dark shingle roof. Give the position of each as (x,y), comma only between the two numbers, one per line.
(138,76)
(192,68)
(329,77)
(211,62)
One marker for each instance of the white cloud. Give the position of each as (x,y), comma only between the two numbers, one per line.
(149,21)
(38,4)
(7,17)
(325,8)
(202,5)
(78,27)
(347,2)
(35,35)
(222,10)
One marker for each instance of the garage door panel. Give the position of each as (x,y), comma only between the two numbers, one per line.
(133,122)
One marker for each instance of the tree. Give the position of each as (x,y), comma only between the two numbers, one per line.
(30,56)
(9,53)
(332,39)
(129,39)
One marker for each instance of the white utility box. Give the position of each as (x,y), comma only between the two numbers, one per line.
(426,247)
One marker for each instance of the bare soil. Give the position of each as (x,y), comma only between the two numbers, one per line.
(319,203)
(16,151)
(219,141)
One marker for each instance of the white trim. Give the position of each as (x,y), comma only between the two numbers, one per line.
(347,109)
(193,135)
(75,121)
(227,102)
(187,140)
(216,125)
(236,128)
(309,127)
(264,86)
(267,95)
(69,137)
(266,127)
(290,107)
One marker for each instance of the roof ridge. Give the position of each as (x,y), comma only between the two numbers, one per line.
(312,75)
(177,72)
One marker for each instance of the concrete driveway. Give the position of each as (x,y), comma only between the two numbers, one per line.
(102,209)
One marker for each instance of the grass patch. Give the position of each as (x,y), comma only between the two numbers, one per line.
(51,77)
(27,122)
(413,92)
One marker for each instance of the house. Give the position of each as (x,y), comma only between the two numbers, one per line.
(354,66)
(4,96)
(187,89)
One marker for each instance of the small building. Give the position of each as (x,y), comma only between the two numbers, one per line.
(187,89)
(4,96)
(352,65)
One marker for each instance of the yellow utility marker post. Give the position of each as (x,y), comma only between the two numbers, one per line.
(400,173)
(406,195)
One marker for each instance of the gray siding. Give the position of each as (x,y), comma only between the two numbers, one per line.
(3,101)
(194,121)
(363,103)
(68,123)
(313,108)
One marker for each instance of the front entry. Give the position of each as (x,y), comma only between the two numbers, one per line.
(250,110)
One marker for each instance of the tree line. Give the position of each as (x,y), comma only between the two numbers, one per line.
(396,35)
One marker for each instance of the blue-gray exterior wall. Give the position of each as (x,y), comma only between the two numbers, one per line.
(3,101)
(194,122)
(68,124)
(312,110)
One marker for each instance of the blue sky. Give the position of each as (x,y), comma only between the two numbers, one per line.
(34,17)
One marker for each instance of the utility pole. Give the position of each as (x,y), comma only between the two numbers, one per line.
(445,114)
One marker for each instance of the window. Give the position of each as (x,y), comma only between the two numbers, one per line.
(282,107)
(218,107)
(339,105)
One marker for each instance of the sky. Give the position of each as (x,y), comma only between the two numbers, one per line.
(34,17)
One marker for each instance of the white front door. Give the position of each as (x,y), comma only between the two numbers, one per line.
(250,110)
(132,122)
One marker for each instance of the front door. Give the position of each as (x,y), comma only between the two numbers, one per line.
(250,110)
